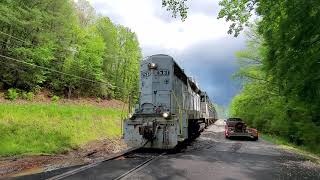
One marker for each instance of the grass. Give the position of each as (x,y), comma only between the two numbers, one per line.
(302,150)
(53,128)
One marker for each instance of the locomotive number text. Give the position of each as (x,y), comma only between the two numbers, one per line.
(145,74)
(160,72)
(163,72)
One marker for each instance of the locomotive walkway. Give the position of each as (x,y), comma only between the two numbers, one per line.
(210,156)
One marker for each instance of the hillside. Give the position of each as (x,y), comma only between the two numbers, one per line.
(47,133)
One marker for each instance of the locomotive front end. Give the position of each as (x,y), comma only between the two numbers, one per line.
(153,124)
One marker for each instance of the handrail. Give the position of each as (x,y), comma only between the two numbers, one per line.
(180,112)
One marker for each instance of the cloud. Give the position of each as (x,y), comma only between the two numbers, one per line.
(200,44)
(206,7)
(212,64)
(154,25)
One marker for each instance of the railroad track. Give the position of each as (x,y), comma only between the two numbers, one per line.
(85,167)
(138,167)
(145,158)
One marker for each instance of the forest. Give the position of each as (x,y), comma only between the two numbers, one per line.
(65,47)
(280,67)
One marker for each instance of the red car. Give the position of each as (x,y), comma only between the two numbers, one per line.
(235,127)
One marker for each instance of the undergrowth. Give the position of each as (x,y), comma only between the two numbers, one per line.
(313,153)
(53,128)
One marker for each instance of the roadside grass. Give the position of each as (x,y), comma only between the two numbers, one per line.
(302,150)
(35,128)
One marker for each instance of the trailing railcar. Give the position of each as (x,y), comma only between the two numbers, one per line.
(209,114)
(171,107)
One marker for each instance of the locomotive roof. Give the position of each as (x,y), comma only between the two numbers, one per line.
(192,83)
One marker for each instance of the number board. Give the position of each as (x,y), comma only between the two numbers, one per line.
(163,72)
(160,72)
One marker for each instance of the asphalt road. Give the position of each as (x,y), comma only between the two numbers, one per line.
(210,156)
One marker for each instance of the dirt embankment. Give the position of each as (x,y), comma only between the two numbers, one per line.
(91,152)
(44,97)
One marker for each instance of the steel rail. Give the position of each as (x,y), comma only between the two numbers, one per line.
(138,167)
(85,167)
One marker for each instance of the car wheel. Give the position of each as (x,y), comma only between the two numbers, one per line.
(255,138)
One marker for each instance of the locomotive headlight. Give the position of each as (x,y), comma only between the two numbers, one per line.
(165,114)
(131,116)
(152,66)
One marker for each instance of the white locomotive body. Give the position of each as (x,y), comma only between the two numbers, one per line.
(171,109)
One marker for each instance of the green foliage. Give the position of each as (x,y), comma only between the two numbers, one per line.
(67,37)
(12,94)
(264,103)
(55,98)
(238,12)
(176,7)
(302,150)
(27,96)
(221,111)
(53,128)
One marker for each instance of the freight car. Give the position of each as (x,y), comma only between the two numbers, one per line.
(171,107)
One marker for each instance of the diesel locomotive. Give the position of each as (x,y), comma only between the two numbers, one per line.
(171,107)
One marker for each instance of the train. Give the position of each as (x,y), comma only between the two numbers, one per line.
(171,106)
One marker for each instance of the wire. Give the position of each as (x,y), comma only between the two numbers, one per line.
(15,38)
(52,70)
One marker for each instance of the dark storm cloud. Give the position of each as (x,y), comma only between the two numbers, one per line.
(212,63)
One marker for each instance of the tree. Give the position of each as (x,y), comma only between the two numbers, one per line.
(86,13)
(65,47)
(264,105)
(32,31)
(176,7)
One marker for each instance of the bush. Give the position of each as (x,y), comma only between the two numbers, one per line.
(98,100)
(55,98)
(27,96)
(37,89)
(12,94)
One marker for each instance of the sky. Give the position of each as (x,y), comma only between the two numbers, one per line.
(200,44)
